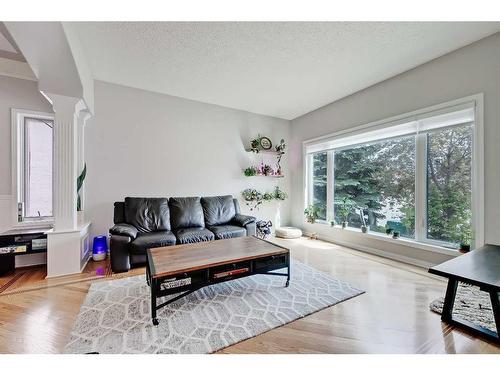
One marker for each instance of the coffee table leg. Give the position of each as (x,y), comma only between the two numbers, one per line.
(449,300)
(288,274)
(153,301)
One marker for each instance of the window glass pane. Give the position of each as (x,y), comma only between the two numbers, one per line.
(319,165)
(374,185)
(38,168)
(449,156)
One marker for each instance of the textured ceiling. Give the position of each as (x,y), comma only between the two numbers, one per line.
(281,69)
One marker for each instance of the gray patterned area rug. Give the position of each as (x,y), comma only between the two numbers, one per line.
(471,304)
(115,316)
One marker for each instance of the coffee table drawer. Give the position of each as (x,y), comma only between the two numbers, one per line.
(272,262)
(184,281)
(230,271)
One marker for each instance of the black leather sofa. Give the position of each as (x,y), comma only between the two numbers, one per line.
(143,223)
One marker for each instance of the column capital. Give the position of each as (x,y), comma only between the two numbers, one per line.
(65,104)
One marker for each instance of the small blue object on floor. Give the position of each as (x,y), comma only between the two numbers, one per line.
(100,248)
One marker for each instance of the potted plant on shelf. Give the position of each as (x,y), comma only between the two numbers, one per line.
(465,241)
(311,213)
(250,171)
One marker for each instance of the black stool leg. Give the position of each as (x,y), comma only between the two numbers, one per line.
(495,305)
(449,300)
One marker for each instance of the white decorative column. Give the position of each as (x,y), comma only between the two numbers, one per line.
(65,161)
(68,243)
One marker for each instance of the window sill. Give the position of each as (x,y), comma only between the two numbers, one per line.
(385,238)
(34,224)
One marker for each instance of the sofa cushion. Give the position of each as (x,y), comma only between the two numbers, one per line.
(192,235)
(227,231)
(149,240)
(186,213)
(147,214)
(218,210)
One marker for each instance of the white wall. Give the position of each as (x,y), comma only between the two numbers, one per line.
(22,94)
(145,144)
(470,70)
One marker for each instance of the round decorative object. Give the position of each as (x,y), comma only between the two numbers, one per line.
(265,143)
(288,232)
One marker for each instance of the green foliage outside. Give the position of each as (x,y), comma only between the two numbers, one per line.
(379,178)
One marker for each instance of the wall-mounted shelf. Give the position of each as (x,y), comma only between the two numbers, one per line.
(272,152)
(272,176)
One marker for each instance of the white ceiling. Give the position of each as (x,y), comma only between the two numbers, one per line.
(281,69)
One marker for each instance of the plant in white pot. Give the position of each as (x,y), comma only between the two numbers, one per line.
(79,184)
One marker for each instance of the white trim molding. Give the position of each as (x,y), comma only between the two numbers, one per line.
(17,165)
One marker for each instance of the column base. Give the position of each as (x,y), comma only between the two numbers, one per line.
(68,251)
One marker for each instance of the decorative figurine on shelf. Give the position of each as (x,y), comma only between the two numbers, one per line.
(265,143)
(263,228)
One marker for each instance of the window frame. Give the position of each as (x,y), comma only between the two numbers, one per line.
(18,117)
(477,173)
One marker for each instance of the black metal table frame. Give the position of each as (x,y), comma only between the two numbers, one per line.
(449,301)
(157,292)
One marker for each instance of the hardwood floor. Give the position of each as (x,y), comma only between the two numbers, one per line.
(393,315)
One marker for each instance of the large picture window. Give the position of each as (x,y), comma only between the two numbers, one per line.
(414,177)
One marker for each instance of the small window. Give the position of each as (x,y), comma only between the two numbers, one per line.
(37,168)
(33,153)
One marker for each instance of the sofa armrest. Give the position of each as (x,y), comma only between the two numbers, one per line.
(119,253)
(251,229)
(123,229)
(242,220)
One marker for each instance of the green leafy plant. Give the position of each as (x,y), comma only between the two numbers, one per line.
(255,144)
(250,171)
(79,183)
(345,206)
(311,213)
(279,195)
(254,198)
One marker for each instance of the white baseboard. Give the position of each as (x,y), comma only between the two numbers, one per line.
(375,251)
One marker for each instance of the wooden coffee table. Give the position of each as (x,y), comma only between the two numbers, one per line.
(187,268)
